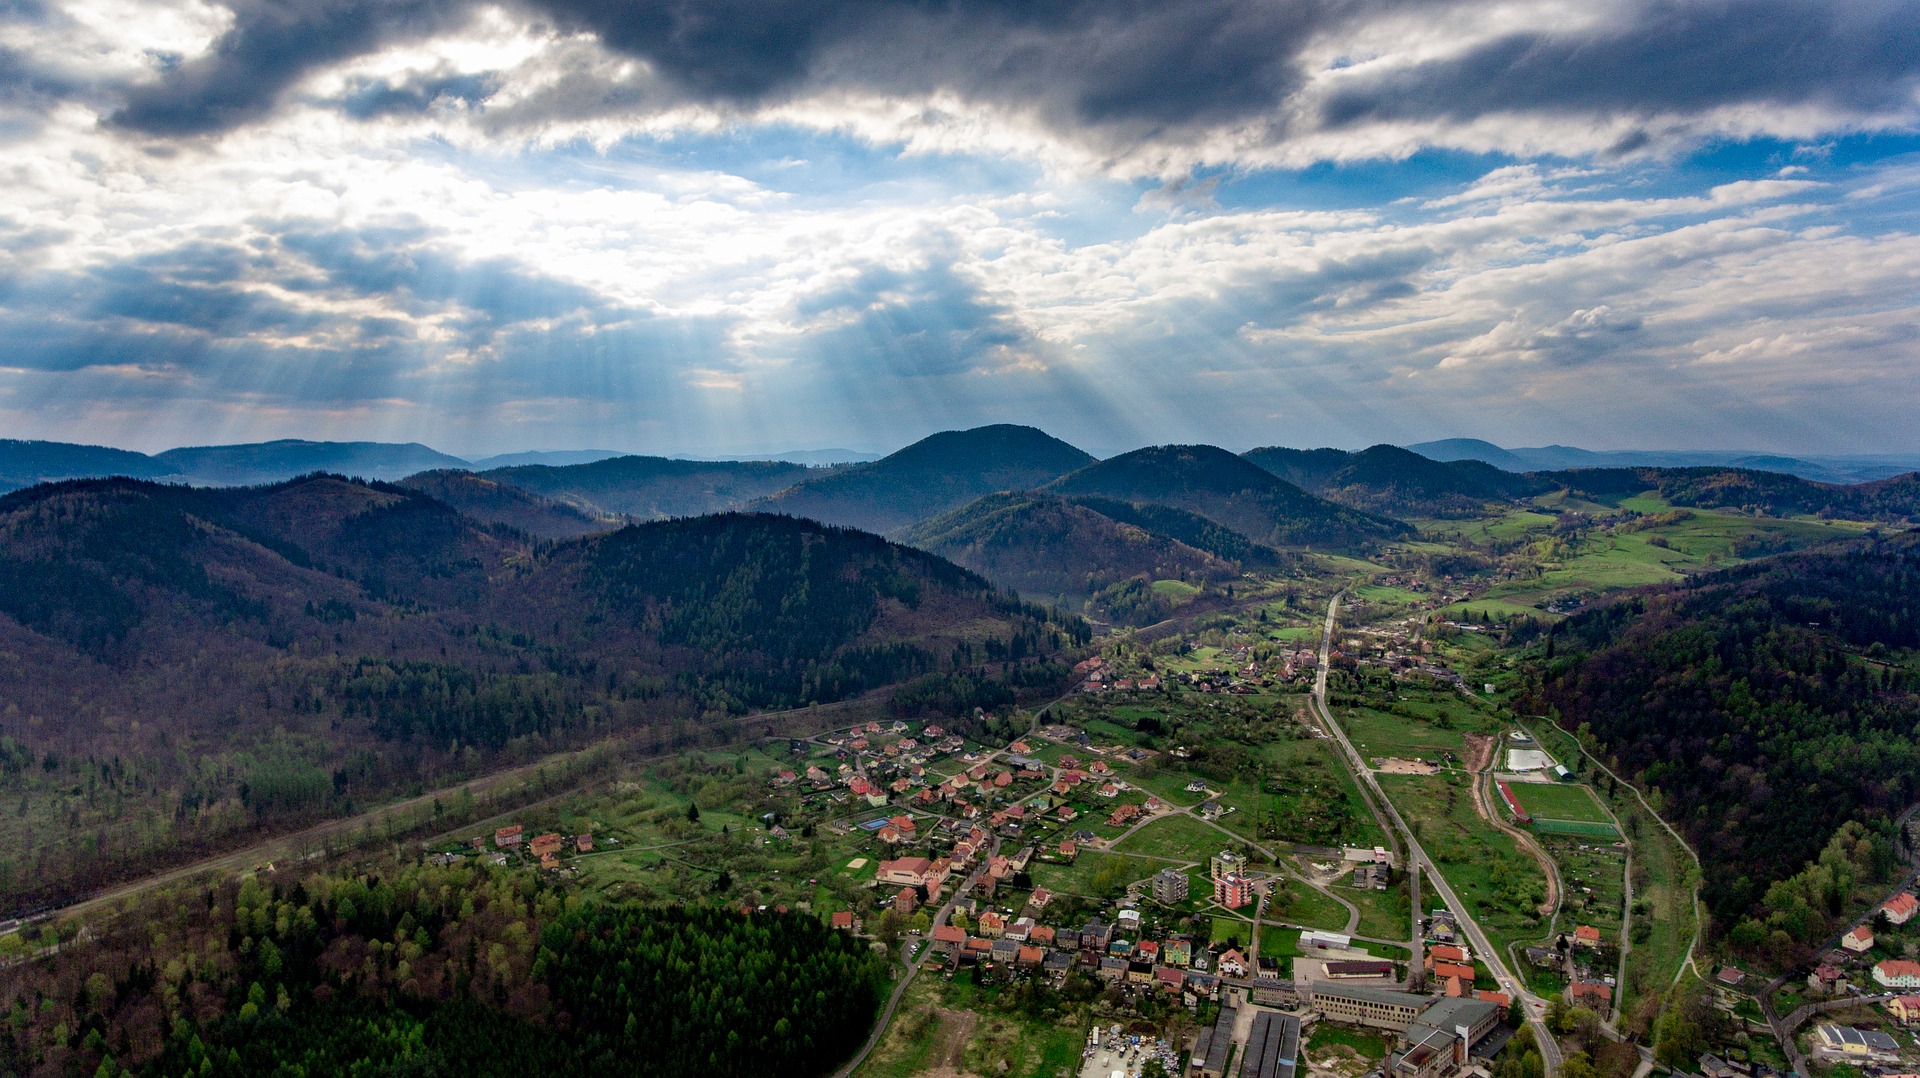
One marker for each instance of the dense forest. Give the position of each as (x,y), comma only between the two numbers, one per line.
(1767,706)
(178,665)
(427,970)
(1388,479)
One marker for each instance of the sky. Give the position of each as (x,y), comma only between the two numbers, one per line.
(743,226)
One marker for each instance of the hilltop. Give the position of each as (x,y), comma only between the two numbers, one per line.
(494,502)
(1231,492)
(654,488)
(1390,480)
(940,472)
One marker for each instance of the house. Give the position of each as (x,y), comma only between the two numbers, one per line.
(1900,908)
(1039,898)
(992,924)
(583,843)
(1729,976)
(1712,1066)
(907,900)
(1826,980)
(1211,810)
(1232,963)
(1859,941)
(842,919)
(1586,936)
(1112,969)
(545,846)
(1897,973)
(1005,951)
(507,836)
(1905,1008)
(1590,994)
(1171,978)
(1030,956)
(948,939)
(1139,971)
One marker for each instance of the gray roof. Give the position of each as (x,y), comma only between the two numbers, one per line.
(1222,1041)
(1447,1013)
(1371,994)
(1872,1039)
(1272,1046)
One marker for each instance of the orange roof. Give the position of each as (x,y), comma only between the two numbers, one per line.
(1902,904)
(1587,932)
(949,934)
(1498,998)
(1453,969)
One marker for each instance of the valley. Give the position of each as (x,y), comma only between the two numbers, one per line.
(1121,745)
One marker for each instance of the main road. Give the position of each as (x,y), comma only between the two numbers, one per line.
(1418,862)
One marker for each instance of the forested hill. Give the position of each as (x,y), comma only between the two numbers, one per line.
(225,658)
(1767,705)
(1772,493)
(940,472)
(418,970)
(1229,491)
(1046,546)
(654,488)
(494,502)
(1390,480)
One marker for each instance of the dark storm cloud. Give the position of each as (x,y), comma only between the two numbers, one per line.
(1131,66)
(271,45)
(367,99)
(1671,57)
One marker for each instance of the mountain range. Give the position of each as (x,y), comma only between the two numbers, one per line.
(1822,469)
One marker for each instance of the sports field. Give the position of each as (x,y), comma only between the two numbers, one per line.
(1559,801)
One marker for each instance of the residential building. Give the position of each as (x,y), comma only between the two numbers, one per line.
(1586,936)
(1591,994)
(1233,890)
(1826,979)
(1905,1008)
(1897,973)
(1859,941)
(545,845)
(1900,908)
(1170,886)
(507,836)
(1227,863)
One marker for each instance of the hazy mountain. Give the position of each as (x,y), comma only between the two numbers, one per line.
(1227,490)
(271,462)
(935,474)
(655,488)
(1822,469)
(1054,547)
(1472,449)
(490,500)
(1388,479)
(284,651)
(1770,493)
(557,458)
(24,463)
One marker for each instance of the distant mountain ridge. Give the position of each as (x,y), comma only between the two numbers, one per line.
(933,475)
(655,488)
(1819,468)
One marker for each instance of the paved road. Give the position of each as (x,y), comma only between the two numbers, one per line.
(1418,862)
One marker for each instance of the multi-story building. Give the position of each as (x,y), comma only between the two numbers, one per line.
(1170,886)
(1226,863)
(1233,890)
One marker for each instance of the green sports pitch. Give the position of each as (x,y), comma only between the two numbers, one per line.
(1560,808)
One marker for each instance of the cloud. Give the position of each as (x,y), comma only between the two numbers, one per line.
(1142,88)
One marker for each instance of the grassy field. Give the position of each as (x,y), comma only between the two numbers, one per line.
(953,1026)
(1179,838)
(1365,1044)
(1502,886)
(1559,801)
(1383,914)
(1302,905)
